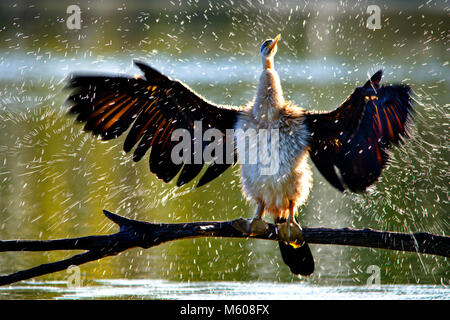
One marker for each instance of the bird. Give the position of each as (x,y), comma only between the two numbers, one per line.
(349,146)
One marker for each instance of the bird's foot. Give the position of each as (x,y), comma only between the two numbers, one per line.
(291,233)
(251,227)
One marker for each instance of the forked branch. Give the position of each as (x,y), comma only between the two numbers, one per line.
(145,235)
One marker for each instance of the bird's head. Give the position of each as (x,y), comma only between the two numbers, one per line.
(268,50)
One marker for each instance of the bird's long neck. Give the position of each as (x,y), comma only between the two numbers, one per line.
(269,97)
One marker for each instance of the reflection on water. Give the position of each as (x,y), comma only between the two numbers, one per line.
(224,290)
(55,180)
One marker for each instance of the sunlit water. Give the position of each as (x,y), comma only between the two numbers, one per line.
(55,180)
(224,290)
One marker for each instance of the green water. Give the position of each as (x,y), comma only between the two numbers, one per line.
(55,180)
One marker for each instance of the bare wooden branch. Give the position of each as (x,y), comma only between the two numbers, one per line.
(145,235)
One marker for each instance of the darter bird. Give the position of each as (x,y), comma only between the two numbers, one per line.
(349,145)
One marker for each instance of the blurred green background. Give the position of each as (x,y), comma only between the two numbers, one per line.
(55,180)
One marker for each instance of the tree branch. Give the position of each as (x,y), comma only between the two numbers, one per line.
(135,233)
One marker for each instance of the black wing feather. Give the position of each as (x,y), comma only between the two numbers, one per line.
(355,137)
(154,106)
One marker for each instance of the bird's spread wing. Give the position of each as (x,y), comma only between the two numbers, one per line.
(154,106)
(349,145)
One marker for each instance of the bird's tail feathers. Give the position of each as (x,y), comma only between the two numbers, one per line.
(300,259)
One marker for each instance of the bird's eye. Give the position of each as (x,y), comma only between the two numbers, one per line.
(265,44)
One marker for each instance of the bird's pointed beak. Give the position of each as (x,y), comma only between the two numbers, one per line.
(274,44)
